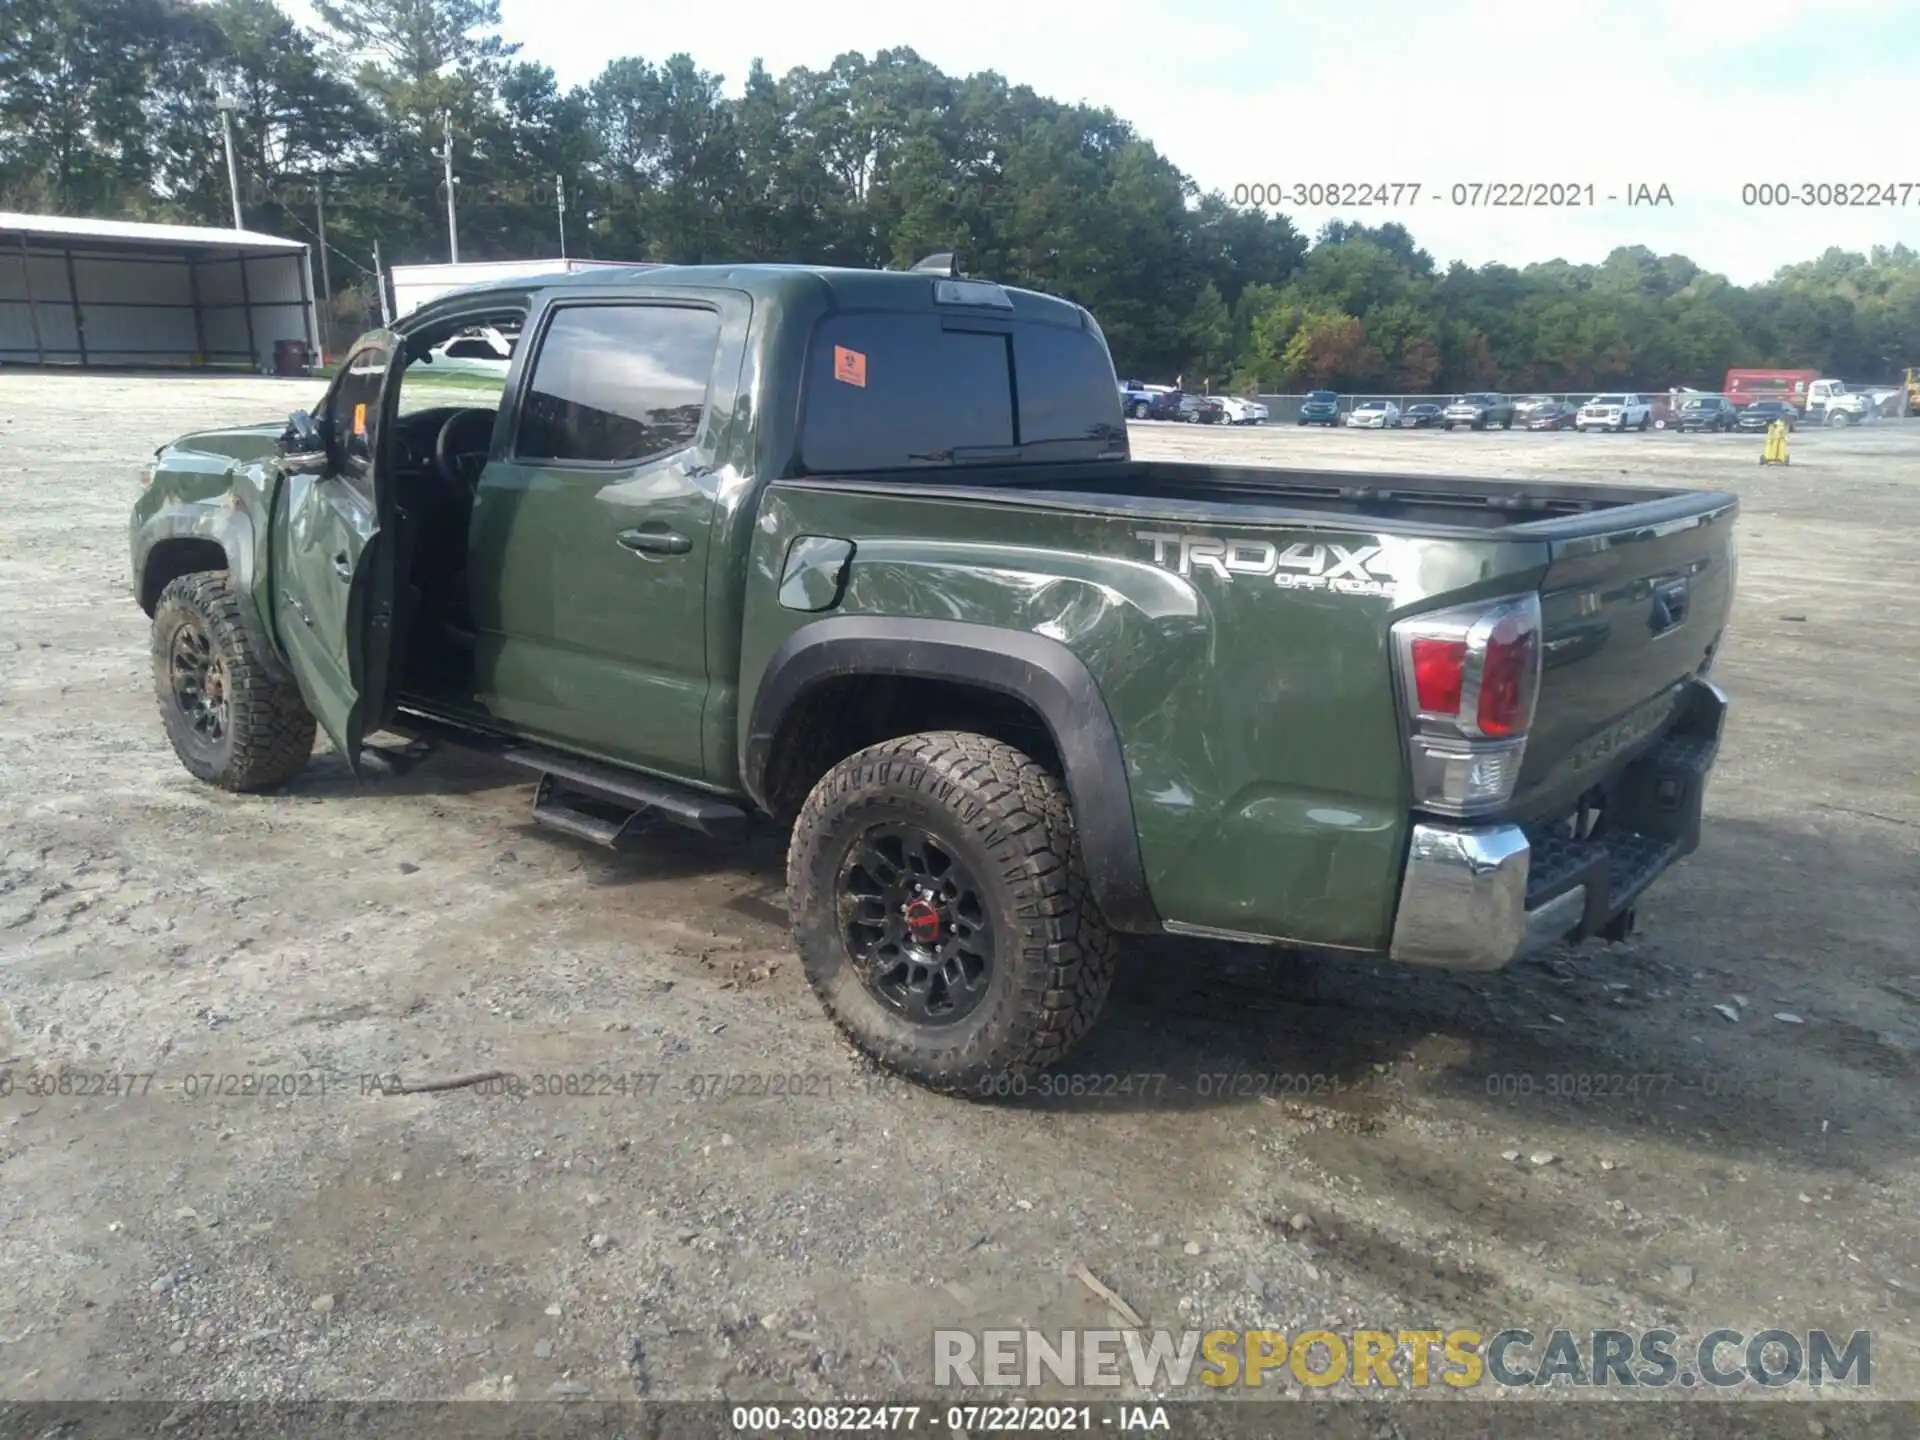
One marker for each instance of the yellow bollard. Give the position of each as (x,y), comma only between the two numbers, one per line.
(1774,452)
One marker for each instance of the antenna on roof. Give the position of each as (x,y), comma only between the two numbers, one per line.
(942,264)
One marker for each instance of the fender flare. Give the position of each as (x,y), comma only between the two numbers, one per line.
(1031,668)
(233,531)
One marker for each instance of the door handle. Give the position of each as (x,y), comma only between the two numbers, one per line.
(343,565)
(654,542)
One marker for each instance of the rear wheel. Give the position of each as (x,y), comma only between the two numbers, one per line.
(1646,421)
(941,911)
(232,721)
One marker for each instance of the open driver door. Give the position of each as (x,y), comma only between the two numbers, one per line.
(334,547)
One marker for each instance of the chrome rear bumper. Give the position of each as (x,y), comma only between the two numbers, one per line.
(1476,898)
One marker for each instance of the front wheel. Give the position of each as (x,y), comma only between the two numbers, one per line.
(232,721)
(941,911)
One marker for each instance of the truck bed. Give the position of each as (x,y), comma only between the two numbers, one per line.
(1259,687)
(1414,505)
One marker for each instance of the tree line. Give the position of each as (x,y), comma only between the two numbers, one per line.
(107,108)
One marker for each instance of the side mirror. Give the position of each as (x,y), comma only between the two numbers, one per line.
(302,436)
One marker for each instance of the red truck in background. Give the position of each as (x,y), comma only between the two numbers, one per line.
(1743,387)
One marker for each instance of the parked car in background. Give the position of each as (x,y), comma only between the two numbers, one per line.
(1478,411)
(1193,409)
(1615,412)
(483,350)
(1707,412)
(1549,415)
(1136,399)
(1322,407)
(1525,405)
(1374,415)
(1762,413)
(1421,417)
(1240,410)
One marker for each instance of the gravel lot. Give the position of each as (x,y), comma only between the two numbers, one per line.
(183,1241)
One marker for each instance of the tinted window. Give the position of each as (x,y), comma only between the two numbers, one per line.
(888,391)
(618,383)
(1065,378)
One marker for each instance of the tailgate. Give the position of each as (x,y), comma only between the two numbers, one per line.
(1629,612)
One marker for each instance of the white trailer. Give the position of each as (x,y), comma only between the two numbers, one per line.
(415,285)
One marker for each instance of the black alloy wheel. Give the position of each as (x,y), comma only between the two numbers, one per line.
(915,925)
(198,677)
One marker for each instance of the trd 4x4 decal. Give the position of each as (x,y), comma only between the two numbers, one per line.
(1307,565)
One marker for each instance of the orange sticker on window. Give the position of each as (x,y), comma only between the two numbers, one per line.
(849,366)
(360,418)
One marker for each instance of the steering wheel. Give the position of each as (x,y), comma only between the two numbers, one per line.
(460,449)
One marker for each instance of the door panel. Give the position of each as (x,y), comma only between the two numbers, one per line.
(333,580)
(589,543)
(320,539)
(581,639)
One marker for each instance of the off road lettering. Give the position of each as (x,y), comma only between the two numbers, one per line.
(1304,565)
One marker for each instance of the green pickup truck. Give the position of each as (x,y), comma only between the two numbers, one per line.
(867,553)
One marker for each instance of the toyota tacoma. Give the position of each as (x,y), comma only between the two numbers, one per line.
(866,555)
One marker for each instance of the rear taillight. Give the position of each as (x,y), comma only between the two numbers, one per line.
(1439,670)
(1509,678)
(1469,678)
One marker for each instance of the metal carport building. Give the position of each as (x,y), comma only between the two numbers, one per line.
(117,292)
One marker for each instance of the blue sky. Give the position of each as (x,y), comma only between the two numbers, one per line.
(1699,95)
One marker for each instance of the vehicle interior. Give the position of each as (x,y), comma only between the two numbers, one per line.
(442,433)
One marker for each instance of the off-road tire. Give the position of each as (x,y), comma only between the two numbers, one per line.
(1009,820)
(269,731)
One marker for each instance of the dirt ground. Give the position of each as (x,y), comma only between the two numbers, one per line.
(222,1238)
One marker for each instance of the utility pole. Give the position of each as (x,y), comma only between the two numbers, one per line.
(326,277)
(225,104)
(446,155)
(560,199)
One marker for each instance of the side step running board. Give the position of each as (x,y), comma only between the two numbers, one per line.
(599,803)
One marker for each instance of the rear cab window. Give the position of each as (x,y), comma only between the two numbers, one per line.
(894,390)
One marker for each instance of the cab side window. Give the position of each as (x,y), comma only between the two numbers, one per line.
(618,384)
